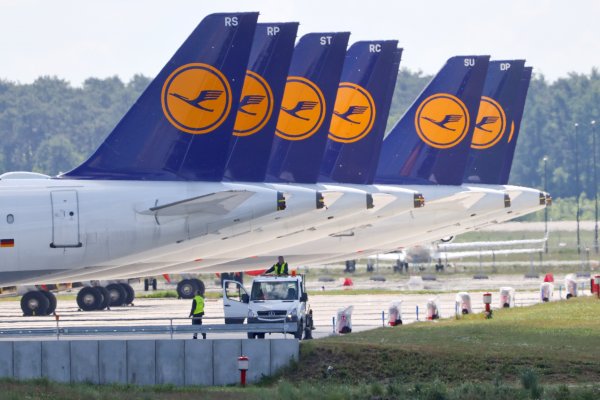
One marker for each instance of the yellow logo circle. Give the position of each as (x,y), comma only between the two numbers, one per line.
(302,109)
(256,105)
(196,98)
(353,114)
(490,124)
(442,121)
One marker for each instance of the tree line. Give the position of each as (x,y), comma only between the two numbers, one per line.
(50,126)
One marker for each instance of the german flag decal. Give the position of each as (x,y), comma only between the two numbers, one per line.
(7,242)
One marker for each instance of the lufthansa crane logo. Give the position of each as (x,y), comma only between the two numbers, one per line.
(490,124)
(442,121)
(353,114)
(256,105)
(196,98)
(302,109)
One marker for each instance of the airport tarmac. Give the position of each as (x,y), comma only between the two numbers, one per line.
(370,310)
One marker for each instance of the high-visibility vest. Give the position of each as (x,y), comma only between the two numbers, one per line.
(199,304)
(280,269)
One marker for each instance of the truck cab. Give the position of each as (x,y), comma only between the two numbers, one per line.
(271,299)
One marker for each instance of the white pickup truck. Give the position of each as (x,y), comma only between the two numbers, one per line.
(272,299)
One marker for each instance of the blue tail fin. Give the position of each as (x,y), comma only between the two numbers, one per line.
(494,122)
(360,114)
(430,143)
(307,107)
(517,115)
(180,127)
(261,97)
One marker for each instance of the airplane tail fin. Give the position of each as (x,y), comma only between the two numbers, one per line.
(430,143)
(360,114)
(307,107)
(517,115)
(180,127)
(257,114)
(494,123)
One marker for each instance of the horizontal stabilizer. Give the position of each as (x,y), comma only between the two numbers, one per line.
(219,203)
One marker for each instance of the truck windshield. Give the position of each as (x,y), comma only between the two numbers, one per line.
(274,291)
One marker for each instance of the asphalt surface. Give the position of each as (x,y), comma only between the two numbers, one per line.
(369,310)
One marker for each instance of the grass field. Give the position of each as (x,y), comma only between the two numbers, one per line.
(547,351)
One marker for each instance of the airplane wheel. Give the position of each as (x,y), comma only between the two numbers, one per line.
(51,301)
(105,298)
(154,284)
(186,289)
(129,292)
(199,285)
(89,298)
(146,284)
(34,303)
(118,295)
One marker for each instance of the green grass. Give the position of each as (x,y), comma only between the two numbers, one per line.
(547,351)
(558,340)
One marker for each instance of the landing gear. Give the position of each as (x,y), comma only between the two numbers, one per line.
(93,298)
(35,303)
(90,298)
(186,289)
(129,293)
(51,301)
(150,283)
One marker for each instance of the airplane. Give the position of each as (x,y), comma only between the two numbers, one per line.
(166,181)
(154,181)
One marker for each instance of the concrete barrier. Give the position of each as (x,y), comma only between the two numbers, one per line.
(112,360)
(145,362)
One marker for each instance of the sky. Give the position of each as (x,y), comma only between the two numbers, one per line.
(74,40)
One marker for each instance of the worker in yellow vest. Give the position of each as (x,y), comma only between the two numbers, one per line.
(197,312)
(281,268)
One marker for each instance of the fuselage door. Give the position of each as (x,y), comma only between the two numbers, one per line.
(65,219)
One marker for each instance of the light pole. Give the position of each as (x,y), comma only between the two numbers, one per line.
(578,188)
(545,159)
(595,187)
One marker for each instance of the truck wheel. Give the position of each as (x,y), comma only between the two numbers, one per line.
(34,303)
(146,284)
(260,335)
(251,335)
(118,295)
(300,331)
(154,284)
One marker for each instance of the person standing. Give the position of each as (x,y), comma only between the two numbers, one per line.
(281,268)
(197,312)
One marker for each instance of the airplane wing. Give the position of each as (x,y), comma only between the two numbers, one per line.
(219,203)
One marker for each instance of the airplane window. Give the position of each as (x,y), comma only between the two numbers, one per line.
(10,218)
